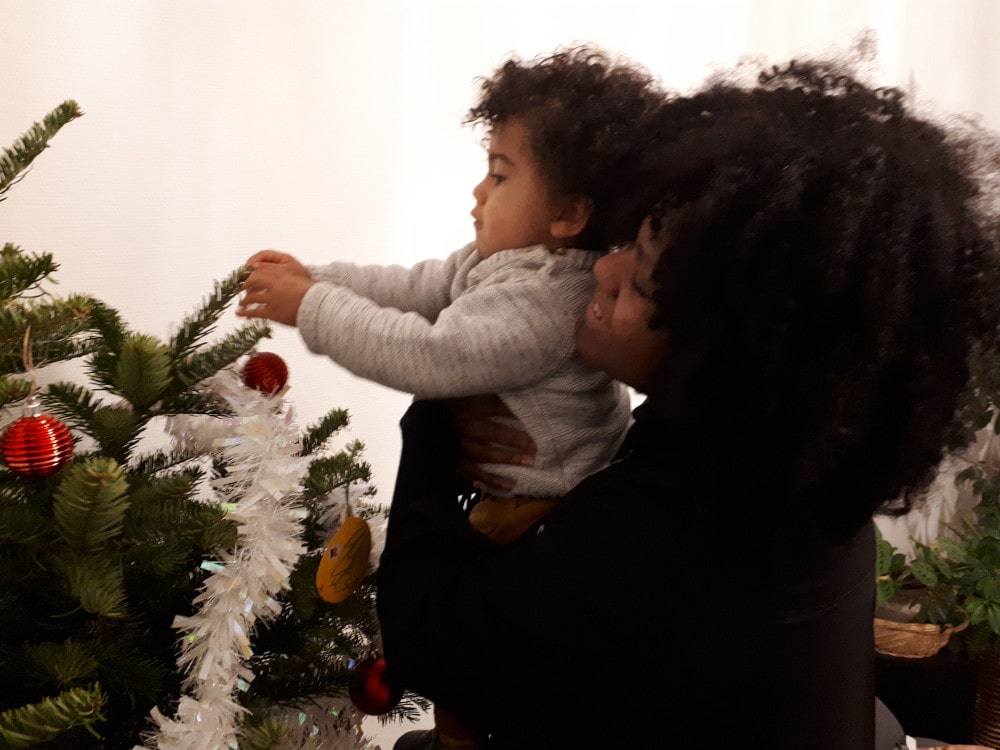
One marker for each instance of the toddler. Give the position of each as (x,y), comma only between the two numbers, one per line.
(564,133)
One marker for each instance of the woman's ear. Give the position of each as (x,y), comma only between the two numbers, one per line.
(572,216)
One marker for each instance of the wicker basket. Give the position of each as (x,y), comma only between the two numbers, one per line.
(912,640)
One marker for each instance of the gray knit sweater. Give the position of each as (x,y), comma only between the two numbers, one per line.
(463,326)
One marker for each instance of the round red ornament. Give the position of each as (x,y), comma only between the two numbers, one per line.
(370,691)
(265,372)
(36,446)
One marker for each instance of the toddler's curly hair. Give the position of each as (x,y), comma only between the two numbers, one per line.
(830,266)
(585,110)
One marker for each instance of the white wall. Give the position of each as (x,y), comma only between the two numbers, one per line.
(331,130)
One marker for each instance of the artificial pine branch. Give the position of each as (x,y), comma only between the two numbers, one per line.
(20,271)
(34,724)
(267,735)
(72,403)
(159,556)
(130,671)
(315,436)
(90,503)
(58,329)
(13,390)
(62,664)
(195,327)
(142,372)
(169,502)
(21,524)
(97,583)
(163,492)
(17,158)
(60,349)
(313,679)
(209,360)
(328,473)
(117,429)
(112,332)
(204,403)
(151,464)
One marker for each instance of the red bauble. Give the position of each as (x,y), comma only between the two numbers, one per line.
(370,692)
(265,372)
(36,446)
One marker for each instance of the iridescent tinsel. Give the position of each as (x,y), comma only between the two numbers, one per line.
(260,446)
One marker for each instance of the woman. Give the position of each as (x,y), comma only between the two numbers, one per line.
(799,310)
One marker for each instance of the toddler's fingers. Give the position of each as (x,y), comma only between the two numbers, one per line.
(268,256)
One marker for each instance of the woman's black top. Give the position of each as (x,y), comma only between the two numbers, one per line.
(660,602)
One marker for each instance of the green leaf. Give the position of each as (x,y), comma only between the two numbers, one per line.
(898,564)
(954,550)
(924,572)
(883,557)
(885,589)
(987,551)
(937,611)
(975,608)
(989,589)
(992,610)
(982,420)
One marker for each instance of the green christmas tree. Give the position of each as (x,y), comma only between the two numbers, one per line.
(165,596)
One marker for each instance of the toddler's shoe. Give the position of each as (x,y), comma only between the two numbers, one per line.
(418,739)
(428,739)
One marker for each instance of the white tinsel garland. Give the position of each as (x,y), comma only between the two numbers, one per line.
(260,446)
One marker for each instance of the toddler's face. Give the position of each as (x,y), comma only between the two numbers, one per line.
(513,206)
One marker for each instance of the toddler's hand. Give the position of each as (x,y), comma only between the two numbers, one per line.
(274,288)
(286,261)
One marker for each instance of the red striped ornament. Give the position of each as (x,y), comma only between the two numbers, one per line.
(265,372)
(36,446)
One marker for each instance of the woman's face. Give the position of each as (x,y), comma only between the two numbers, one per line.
(615,335)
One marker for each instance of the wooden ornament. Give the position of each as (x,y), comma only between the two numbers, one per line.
(345,560)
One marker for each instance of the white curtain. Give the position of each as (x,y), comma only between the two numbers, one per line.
(331,130)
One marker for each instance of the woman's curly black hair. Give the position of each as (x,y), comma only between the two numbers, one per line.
(831,268)
(585,111)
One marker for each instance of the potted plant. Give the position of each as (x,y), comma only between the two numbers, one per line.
(948,586)
(947,590)
(955,578)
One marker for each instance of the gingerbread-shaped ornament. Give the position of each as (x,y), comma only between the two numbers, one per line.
(345,560)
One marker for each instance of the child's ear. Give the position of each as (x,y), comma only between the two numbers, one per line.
(572,217)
